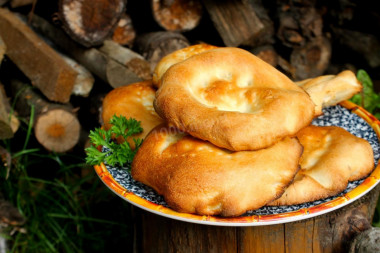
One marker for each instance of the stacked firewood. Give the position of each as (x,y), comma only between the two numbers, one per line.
(72,52)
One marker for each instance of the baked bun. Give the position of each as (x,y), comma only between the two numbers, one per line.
(233,99)
(175,57)
(195,176)
(330,90)
(132,101)
(332,157)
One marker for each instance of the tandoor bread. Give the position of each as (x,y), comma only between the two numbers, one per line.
(233,99)
(132,101)
(324,91)
(177,56)
(195,176)
(332,157)
(330,90)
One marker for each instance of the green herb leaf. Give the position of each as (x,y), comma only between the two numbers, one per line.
(368,98)
(118,154)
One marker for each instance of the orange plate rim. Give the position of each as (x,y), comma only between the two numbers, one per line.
(254,220)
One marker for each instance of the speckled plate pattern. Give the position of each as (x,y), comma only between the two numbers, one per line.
(347,115)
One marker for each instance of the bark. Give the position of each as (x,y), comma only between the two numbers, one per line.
(56,126)
(99,63)
(153,46)
(312,59)
(177,15)
(239,22)
(38,61)
(90,22)
(363,44)
(331,232)
(124,33)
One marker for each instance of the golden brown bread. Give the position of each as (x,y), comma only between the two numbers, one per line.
(132,101)
(332,157)
(233,99)
(330,90)
(195,176)
(177,56)
(324,91)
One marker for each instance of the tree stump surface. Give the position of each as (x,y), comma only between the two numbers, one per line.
(330,232)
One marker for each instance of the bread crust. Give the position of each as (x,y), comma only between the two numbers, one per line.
(233,99)
(177,56)
(132,101)
(332,157)
(195,176)
(330,90)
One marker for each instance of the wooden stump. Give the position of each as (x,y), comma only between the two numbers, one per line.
(331,232)
(56,126)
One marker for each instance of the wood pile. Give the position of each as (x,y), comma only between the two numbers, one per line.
(60,58)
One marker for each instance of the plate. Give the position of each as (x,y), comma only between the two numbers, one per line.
(347,115)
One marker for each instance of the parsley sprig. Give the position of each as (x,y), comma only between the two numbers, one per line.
(368,98)
(116,153)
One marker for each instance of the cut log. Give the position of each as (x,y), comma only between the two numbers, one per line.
(125,56)
(267,54)
(299,23)
(8,122)
(3,48)
(3,2)
(124,33)
(288,31)
(100,64)
(312,59)
(21,3)
(177,15)
(90,22)
(364,44)
(84,81)
(56,127)
(39,62)
(331,232)
(286,68)
(153,46)
(9,214)
(366,242)
(239,23)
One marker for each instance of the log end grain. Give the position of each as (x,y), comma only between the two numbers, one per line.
(177,15)
(155,45)
(124,33)
(90,22)
(312,59)
(57,130)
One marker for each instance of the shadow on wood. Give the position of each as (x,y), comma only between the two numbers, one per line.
(331,232)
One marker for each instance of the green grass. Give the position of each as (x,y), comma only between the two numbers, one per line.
(66,207)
